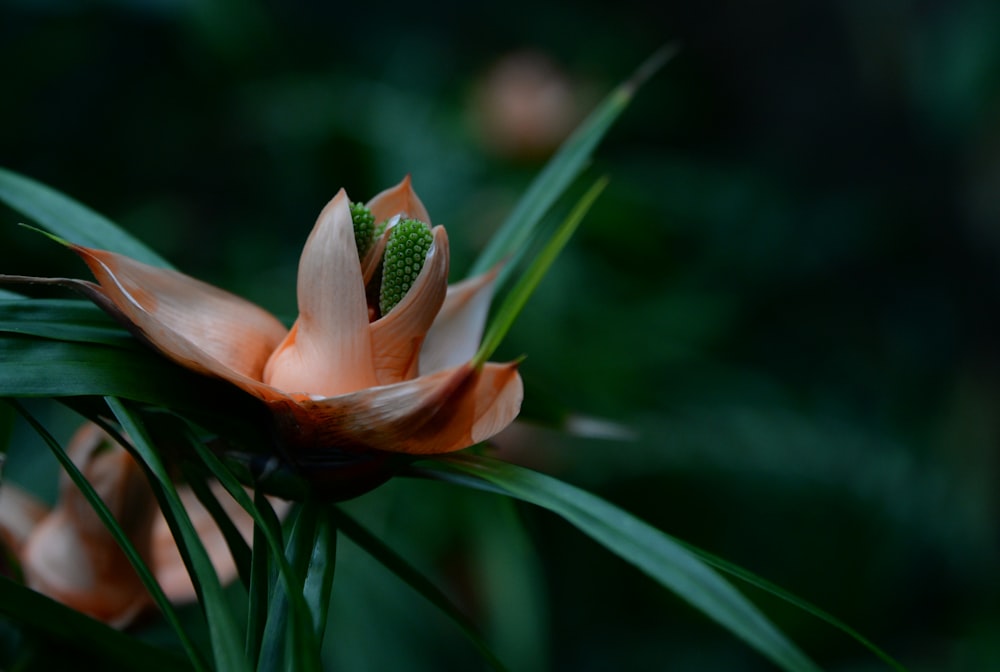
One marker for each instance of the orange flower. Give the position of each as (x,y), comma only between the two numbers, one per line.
(345,377)
(68,554)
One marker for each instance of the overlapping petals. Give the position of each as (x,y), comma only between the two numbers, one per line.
(68,554)
(343,377)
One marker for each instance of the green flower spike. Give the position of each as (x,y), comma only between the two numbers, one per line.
(405,254)
(364,228)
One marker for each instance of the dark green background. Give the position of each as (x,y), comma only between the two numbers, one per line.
(789,290)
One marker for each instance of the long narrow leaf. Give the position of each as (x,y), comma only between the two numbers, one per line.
(44,615)
(318,587)
(552,182)
(62,319)
(412,577)
(102,511)
(765,585)
(529,281)
(196,476)
(306,650)
(654,552)
(69,219)
(283,614)
(259,580)
(45,368)
(222,628)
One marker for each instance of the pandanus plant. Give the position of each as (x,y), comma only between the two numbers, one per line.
(170,493)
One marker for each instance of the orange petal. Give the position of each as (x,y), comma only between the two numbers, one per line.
(193,323)
(397,337)
(329,351)
(442,412)
(72,557)
(89,574)
(20,512)
(167,565)
(401,199)
(455,335)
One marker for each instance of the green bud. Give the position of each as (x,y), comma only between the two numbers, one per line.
(364,228)
(405,254)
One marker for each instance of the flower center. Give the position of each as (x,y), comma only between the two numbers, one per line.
(405,253)
(364,228)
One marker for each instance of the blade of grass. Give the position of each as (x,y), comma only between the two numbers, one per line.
(526,285)
(647,548)
(102,511)
(564,167)
(44,615)
(396,564)
(225,638)
(65,217)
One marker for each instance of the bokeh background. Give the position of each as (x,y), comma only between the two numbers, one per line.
(787,295)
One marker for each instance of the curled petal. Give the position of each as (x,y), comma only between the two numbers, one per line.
(458,328)
(401,199)
(438,413)
(397,337)
(72,557)
(20,512)
(328,352)
(87,573)
(197,325)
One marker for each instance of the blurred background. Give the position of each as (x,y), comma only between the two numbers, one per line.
(787,295)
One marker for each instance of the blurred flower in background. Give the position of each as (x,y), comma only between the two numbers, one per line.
(525,106)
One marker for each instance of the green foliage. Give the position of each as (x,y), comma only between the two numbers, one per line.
(642,545)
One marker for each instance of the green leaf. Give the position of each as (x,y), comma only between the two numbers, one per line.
(318,587)
(288,610)
(64,320)
(120,537)
(647,548)
(45,368)
(765,585)
(69,219)
(197,476)
(34,367)
(259,581)
(528,282)
(412,577)
(222,628)
(564,167)
(289,592)
(42,614)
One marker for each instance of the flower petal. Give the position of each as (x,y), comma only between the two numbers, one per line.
(401,199)
(439,413)
(455,335)
(20,512)
(197,325)
(328,352)
(89,574)
(397,337)
(72,557)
